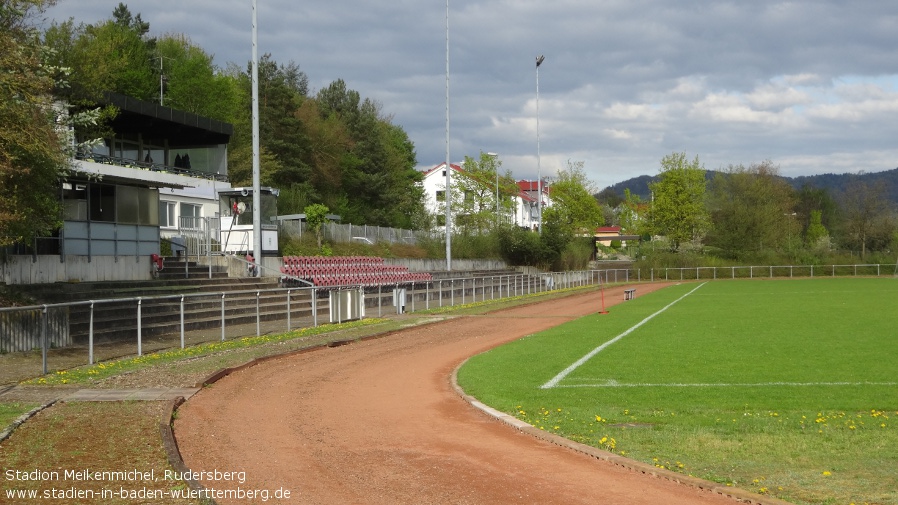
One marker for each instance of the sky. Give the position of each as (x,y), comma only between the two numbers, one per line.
(811,86)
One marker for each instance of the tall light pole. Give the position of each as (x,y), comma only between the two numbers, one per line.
(493,157)
(539,175)
(257,197)
(448,165)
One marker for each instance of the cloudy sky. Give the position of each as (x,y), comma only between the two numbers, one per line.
(809,85)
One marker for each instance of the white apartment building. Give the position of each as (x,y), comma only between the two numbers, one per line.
(525,212)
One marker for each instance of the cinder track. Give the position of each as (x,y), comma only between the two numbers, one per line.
(378,422)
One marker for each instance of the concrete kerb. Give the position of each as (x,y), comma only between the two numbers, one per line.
(630,464)
(171,449)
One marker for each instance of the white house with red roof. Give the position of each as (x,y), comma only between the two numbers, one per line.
(526,213)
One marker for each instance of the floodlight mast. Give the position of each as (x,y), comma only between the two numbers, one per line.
(257,186)
(493,157)
(448,192)
(539,177)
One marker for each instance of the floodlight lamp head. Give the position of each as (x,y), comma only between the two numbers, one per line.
(539,60)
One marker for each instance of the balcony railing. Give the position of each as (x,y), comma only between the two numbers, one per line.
(155,167)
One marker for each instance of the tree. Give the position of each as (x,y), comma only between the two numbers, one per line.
(192,81)
(678,209)
(378,170)
(751,209)
(32,150)
(816,236)
(475,191)
(112,56)
(629,216)
(316,216)
(810,199)
(864,209)
(572,199)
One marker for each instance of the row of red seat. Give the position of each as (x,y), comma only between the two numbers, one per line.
(347,271)
(371,279)
(299,261)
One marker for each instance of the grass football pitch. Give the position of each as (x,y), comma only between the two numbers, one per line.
(781,387)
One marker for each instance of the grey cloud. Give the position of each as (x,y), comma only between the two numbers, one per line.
(808,84)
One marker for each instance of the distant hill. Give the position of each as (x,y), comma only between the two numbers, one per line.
(834,183)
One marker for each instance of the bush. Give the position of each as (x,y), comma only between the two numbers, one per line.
(576,256)
(523,247)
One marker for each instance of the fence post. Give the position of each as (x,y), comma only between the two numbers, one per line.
(258,316)
(182,321)
(139,336)
(314,307)
(222,317)
(44,343)
(90,336)
(288,311)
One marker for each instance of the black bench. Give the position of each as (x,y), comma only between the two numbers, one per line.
(629,294)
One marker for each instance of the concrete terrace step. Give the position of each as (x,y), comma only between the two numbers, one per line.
(118,319)
(164,311)
(71,292)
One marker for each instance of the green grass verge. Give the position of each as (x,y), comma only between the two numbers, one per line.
(10,411)
(780,387)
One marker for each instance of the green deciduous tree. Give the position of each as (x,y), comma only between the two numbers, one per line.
(810,199)
(630,215)
(678,204)
(572,199)
(113,55)
(751,209)
(816,236)
(32,148)
(865,216)
(378,170)
(475,192)
(193,83)
(316,216)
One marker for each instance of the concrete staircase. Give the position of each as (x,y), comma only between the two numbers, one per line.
(159,301)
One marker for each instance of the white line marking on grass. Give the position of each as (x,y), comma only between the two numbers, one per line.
(564,373)
(615,384)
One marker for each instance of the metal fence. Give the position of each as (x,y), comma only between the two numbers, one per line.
(195,318)
(759,272)
(343,233)
(175,321)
